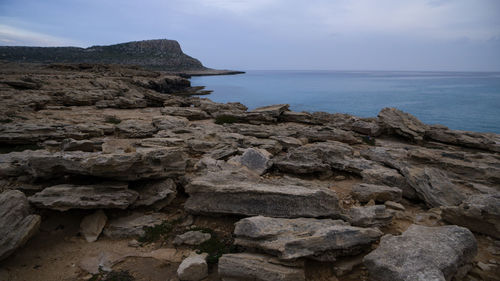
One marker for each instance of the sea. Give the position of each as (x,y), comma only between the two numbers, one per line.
(460,100)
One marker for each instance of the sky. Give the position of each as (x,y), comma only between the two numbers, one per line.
(452,35)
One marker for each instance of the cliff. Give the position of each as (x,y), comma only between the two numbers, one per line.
(159,54)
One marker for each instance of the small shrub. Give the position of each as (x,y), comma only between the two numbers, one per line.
(158,232)
(223,119)
(112,120)
(112,276)
(368,140)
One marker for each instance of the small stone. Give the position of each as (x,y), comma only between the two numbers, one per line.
(193,268)
(339,178)
(134,243)
(92,225)
(394,205)
(483,266)
(192,238)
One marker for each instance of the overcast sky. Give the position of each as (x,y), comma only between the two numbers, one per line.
(275,34)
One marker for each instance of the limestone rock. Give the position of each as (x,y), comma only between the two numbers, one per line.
(238,192)
(170,122)
(370,216)
(479,213)
(486,141)
(99,196)
(79,145)
(434,186)
(192,238)
(17,225)
(380,193)
(257,160)
(193,268)
(422,253)
(157,194)
(136,129)
(92,225)
(190,113)
(147,163)
(394,205)
(273,110)
(288,239)
(401,123)
(380,175)
(132,225)
(257,267)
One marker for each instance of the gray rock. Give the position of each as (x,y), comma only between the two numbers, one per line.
(297,117)
(288,239)
(157,194)
(257,267)
(257,160)
(370,216)
(79,145)
(486,141)
(17,225)
(422,253)
(397,122)
(147,163)
(394,205)
(193,268)
(170,122)
(100,196)
(132,225)
(433,186)
(380,193)
(479,213)
(380,175)
(92,225)
(230,190)
(192,238)
(190,113)
(273,110)
(136,129)
(366,128)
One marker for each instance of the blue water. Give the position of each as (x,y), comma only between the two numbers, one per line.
(459,100)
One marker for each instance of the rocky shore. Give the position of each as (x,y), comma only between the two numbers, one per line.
(119,173)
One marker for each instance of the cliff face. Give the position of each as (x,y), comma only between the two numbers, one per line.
(159,54)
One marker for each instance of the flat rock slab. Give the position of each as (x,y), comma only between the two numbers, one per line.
(132,225)
(147,163)
(100,196)
(379,193)
(369,216)
(17,225)
(479,213)
(289,239)
(256,267)
(422,253)
(238,192)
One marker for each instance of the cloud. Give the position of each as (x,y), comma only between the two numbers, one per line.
(14,36)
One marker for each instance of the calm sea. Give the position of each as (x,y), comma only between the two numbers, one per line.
(459,100)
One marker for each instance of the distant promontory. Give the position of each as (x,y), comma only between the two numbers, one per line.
(161,54)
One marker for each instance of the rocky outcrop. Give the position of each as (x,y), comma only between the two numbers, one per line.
(17,225)
(100,196)
(257,267)
(288,239)
(423,253)
(479,213)
(237,192)
(397,122)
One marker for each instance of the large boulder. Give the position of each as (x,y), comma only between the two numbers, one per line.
(433,186)
(193,268)
(257,267)
(257,160)
(423,253)
(289,239)
(479,213)
(99,196)
(147,163)
(395,121)
(17,225)
(239,192)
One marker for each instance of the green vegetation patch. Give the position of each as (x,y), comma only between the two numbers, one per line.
(158,232)
(112,120)
(223,119)
(121,275)
(215,247)
(368,140)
